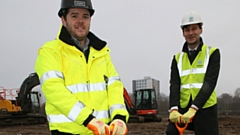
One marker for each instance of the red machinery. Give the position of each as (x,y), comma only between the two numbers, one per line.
(146,107)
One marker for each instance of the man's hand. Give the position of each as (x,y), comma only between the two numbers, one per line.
(188,116)
(98,127)
(175,116)
(118,127)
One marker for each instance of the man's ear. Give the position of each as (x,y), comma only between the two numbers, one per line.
(63,21)
(201,31)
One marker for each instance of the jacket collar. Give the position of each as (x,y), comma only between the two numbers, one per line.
(95,42)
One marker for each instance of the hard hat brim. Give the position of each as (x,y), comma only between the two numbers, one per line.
(190,23)
(60,12)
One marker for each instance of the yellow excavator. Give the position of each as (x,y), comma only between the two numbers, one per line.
(26,109)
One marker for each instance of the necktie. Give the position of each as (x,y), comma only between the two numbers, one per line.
(192,55)
(192,52)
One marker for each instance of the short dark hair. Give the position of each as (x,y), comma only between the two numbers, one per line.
(199,25)
(64,13)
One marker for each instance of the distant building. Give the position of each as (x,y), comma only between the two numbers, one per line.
(146,83)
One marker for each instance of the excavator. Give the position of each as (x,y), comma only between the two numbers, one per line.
(146,107)
(25,110)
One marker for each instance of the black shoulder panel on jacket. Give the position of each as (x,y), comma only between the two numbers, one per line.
(66,37)
(95,42)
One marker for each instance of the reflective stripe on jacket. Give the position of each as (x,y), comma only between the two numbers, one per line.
(192,76)
(74,88)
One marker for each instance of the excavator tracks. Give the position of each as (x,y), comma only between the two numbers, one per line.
(135,119)
(27,119)
(145,118)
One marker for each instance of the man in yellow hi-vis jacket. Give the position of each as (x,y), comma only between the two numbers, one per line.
(194,74)
(84,94)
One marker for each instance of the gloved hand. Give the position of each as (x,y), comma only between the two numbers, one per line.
(118,127)
(188,116)
(98,127)
(175,116)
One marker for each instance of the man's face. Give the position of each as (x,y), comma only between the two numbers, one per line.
(192,34)
(77,23)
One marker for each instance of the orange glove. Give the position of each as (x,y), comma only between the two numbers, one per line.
(188,116)
(175,116)
(98,127)
(118,127)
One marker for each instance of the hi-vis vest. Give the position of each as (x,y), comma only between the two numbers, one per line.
(192,76)
(75,89)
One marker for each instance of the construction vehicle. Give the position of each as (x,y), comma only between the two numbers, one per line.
(25,109)
(146,107)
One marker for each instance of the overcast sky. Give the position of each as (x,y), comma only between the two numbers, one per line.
(143,36)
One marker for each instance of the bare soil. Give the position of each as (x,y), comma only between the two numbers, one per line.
(227,126)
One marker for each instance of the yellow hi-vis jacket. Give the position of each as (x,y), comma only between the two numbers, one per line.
(192,76)
(75,89)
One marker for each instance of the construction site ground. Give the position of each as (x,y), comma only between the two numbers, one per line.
(227,126)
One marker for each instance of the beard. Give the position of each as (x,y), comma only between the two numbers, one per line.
(79,37)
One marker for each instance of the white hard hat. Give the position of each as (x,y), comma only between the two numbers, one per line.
(191,17)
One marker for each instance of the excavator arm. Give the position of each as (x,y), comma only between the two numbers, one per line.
(24,96)
(128,103)
(133,118)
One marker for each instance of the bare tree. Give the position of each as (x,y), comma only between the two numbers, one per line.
(237,93)
(236,100)
(224,102)
(163,103)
